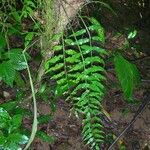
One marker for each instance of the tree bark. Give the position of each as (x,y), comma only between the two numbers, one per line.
(58,14)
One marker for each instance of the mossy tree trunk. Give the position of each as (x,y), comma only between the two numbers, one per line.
(58,13)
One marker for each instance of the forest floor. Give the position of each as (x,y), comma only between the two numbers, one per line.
(66,128)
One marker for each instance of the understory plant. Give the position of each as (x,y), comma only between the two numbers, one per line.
(79,70)
(77,67)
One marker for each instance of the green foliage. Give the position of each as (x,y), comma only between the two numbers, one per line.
(43,136)
(12,61)
(78,68)
(11,25)
(10,136)
(128,75)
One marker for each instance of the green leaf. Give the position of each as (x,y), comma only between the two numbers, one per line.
(128,75)
(57,47)
(16,120)
(98,27)
(2,43)
(44,119)
(53,60)
(7,72)
(18,138)
(17,59)
(87,49)
(78,33)
(56,67)
(132,34)
(94,69)
(70,52)
(28,37)
(18,80)
(74,58)
(43,136)
(10,105)
(4,118)
(93,59)
(59,75)
(81,41)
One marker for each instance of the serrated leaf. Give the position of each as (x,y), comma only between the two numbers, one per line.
(128,75)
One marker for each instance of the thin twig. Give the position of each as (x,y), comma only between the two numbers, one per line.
(139,111)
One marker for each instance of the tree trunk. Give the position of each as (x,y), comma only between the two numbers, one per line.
(58,13)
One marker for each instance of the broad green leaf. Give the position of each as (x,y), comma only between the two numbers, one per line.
(17,138)
(16,120)
(7,72)
(17,59)
(128,75)
(9,106)
(4,118)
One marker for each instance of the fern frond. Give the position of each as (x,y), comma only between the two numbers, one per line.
(78,68)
